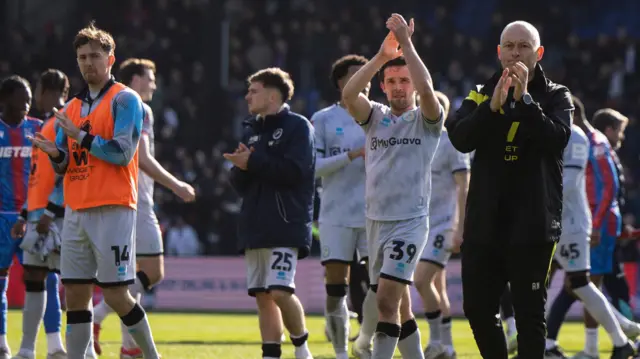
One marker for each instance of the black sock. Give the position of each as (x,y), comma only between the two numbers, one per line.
(559,309)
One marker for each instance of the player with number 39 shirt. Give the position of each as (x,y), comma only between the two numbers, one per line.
(401,140)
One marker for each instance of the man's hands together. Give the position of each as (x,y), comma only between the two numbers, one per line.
(240,157)
(516,76)
(399,35)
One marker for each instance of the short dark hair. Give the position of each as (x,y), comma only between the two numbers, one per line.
(340,68)
(397,62)
(578,113)
(93,34)
(11,84)
(53,80)
(275,78)
(608,117)
(444,102)
(131,67)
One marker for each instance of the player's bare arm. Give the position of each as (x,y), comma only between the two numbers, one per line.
(356,102)
(462,188)
(420,76)
(150,166)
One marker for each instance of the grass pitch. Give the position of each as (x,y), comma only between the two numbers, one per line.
(236,336)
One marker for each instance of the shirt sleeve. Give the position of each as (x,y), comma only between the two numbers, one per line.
(60,163)
(459,161)
(128,118)
(433,127)
(604,167)
(473,123)
(326,164)
(147,121)
(57,196)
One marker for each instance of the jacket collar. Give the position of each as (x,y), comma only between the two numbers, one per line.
(284,111)
(538,84)
(84,95)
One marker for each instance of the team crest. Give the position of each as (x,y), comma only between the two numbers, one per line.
(339,131)
(409,116)
(253,139)
(386,122)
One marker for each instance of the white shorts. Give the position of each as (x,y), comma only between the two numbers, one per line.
(148,234)
(271,268)
(395,248)
(52,261)
(573,252)
(98,246)
(438,248)
(338,243)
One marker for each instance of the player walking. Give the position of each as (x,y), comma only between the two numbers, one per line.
(274,173)
(584,156)
(96,148)
(41,218)
(16,129)
(401,140)
(139,75)
(449,184)
(339,145)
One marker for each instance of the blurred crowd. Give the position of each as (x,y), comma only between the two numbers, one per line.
(205,49)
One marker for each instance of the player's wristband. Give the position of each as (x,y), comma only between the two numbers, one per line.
(86,141)
(23,215)
(54,211)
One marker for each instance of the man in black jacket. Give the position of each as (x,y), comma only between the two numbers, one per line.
(274,174)
(518,123)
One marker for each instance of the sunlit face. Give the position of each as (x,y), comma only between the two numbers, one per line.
(615,135)
(18,104)
(94,63)
(259,98)
(398,87)
(145,85)
(519,44)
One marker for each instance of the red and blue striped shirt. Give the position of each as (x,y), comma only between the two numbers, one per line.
(603,185)
(15,163)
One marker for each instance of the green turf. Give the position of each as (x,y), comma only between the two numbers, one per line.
(235,336)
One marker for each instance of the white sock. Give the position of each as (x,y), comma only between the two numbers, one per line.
(100,312)
(447,336)
(435,324)
(511,326)
(302,351)
(591,341)
(369,320)
(597,305)
(625,323)
(3,341)
(127,340)
(54,343)
(550,344)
